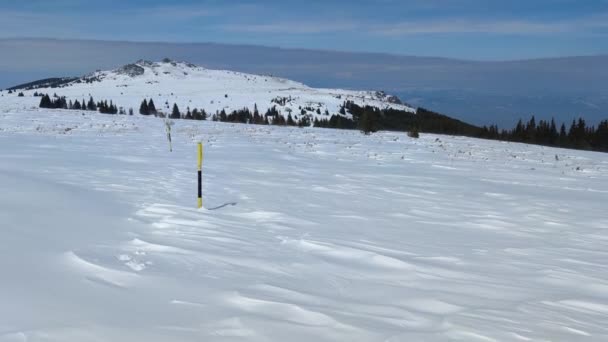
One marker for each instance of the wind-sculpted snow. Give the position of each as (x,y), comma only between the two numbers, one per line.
(318,235)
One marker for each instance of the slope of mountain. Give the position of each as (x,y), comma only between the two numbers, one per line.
(190,86)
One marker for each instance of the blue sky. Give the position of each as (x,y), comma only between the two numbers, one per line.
(469,29)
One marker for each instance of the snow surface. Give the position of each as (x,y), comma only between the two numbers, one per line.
(320,235)
(191,86)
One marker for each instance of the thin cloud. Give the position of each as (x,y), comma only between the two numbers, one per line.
(177,12)
(291,27)
(589,25)
(520,27)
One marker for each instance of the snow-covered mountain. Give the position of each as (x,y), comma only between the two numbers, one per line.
(191,86)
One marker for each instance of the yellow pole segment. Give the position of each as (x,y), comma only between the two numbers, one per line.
(200,175)
(200,156)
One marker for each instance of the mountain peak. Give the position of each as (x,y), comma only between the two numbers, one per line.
(144,62)
(166,66)
(132,70)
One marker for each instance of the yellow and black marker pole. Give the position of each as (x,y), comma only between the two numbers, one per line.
(200,175)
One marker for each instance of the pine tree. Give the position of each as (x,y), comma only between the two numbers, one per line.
(175,114)
(144,109)
(531,130)
(367,122)
(257,119)
(581,133)
(196,114)
(91,104)
(519,133)
(151,107)
(553,135)
(62,103)
(563,136)
(601,136)
(45,102)
(572,132)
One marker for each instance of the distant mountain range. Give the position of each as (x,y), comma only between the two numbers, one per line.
(479,92)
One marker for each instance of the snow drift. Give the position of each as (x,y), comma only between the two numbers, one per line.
(335,236)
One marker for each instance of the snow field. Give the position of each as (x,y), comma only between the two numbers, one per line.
(333,235)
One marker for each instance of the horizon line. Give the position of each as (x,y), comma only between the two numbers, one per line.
(32,38)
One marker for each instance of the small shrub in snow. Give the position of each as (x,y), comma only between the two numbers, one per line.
(413,133)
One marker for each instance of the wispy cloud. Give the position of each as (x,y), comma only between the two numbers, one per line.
(520,27)
(294,27)
(175,12)
(145,23)
(445,27)
(21,23)
(590,24)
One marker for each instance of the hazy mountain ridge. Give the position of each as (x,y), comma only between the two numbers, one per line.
(480,92)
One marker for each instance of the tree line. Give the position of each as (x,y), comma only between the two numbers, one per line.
(578,135)
(60,102)
(370,119)
(271,117)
